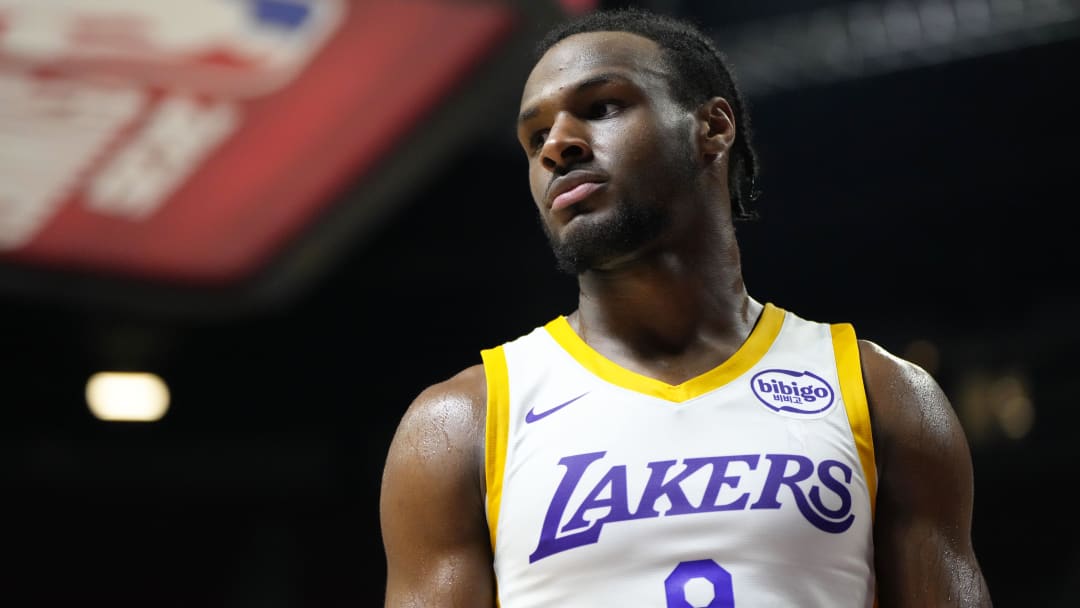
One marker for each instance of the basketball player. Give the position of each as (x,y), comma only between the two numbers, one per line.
(672,442)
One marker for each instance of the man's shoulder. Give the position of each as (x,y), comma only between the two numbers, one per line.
(445,417)
(882,367)
(465,389)
(906,400)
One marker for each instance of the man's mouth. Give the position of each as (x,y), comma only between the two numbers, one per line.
(575,195)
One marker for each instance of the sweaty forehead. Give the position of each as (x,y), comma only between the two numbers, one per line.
(579,56)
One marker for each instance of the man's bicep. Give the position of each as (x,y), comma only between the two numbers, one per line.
(431,508)
(924,554)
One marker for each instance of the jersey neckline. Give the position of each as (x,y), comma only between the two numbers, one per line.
(752,350)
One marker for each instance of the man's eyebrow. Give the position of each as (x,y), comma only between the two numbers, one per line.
(589,83)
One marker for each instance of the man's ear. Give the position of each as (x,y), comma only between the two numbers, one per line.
(716,123)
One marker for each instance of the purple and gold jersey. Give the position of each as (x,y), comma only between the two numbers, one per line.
(750,485)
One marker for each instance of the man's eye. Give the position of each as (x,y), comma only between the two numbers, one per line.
(602,109)
(537,140)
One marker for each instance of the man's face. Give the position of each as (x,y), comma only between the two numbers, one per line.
(610,152)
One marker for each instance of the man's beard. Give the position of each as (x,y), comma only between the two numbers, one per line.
(595,243)
(635,221)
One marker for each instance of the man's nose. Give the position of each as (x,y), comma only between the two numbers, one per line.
(567,144)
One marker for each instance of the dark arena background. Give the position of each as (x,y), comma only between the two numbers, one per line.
(287,217)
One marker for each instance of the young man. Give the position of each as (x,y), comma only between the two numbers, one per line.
(673,442)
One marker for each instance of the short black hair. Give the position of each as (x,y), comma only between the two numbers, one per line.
(699,72)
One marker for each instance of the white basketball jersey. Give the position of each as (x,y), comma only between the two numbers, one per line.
(749,486)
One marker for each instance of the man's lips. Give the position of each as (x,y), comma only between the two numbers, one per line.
(574,195)
(573,187)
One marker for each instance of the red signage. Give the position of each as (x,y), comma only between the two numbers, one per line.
(187,142)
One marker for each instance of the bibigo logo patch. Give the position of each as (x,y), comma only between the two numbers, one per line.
(784,391)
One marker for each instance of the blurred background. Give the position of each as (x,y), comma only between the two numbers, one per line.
(282,219)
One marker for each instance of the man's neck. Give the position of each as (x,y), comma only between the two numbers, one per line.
(666,316)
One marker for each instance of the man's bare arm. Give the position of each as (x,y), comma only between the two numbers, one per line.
(434,529)
(922,529)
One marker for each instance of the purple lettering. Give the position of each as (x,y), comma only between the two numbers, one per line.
(720,478)
(611,493)
(616,479)
(778,477)
(834,484)
(657,487)
(549,544)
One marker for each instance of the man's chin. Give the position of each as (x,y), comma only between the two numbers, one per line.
(571,263)
(599,241)
(578,260)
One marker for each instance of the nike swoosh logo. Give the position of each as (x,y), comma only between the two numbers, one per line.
(531,417)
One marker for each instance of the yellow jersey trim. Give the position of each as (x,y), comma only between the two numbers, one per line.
(496,433)
(753,349)
(849,369)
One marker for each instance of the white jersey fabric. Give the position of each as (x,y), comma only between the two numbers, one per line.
(749,486)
